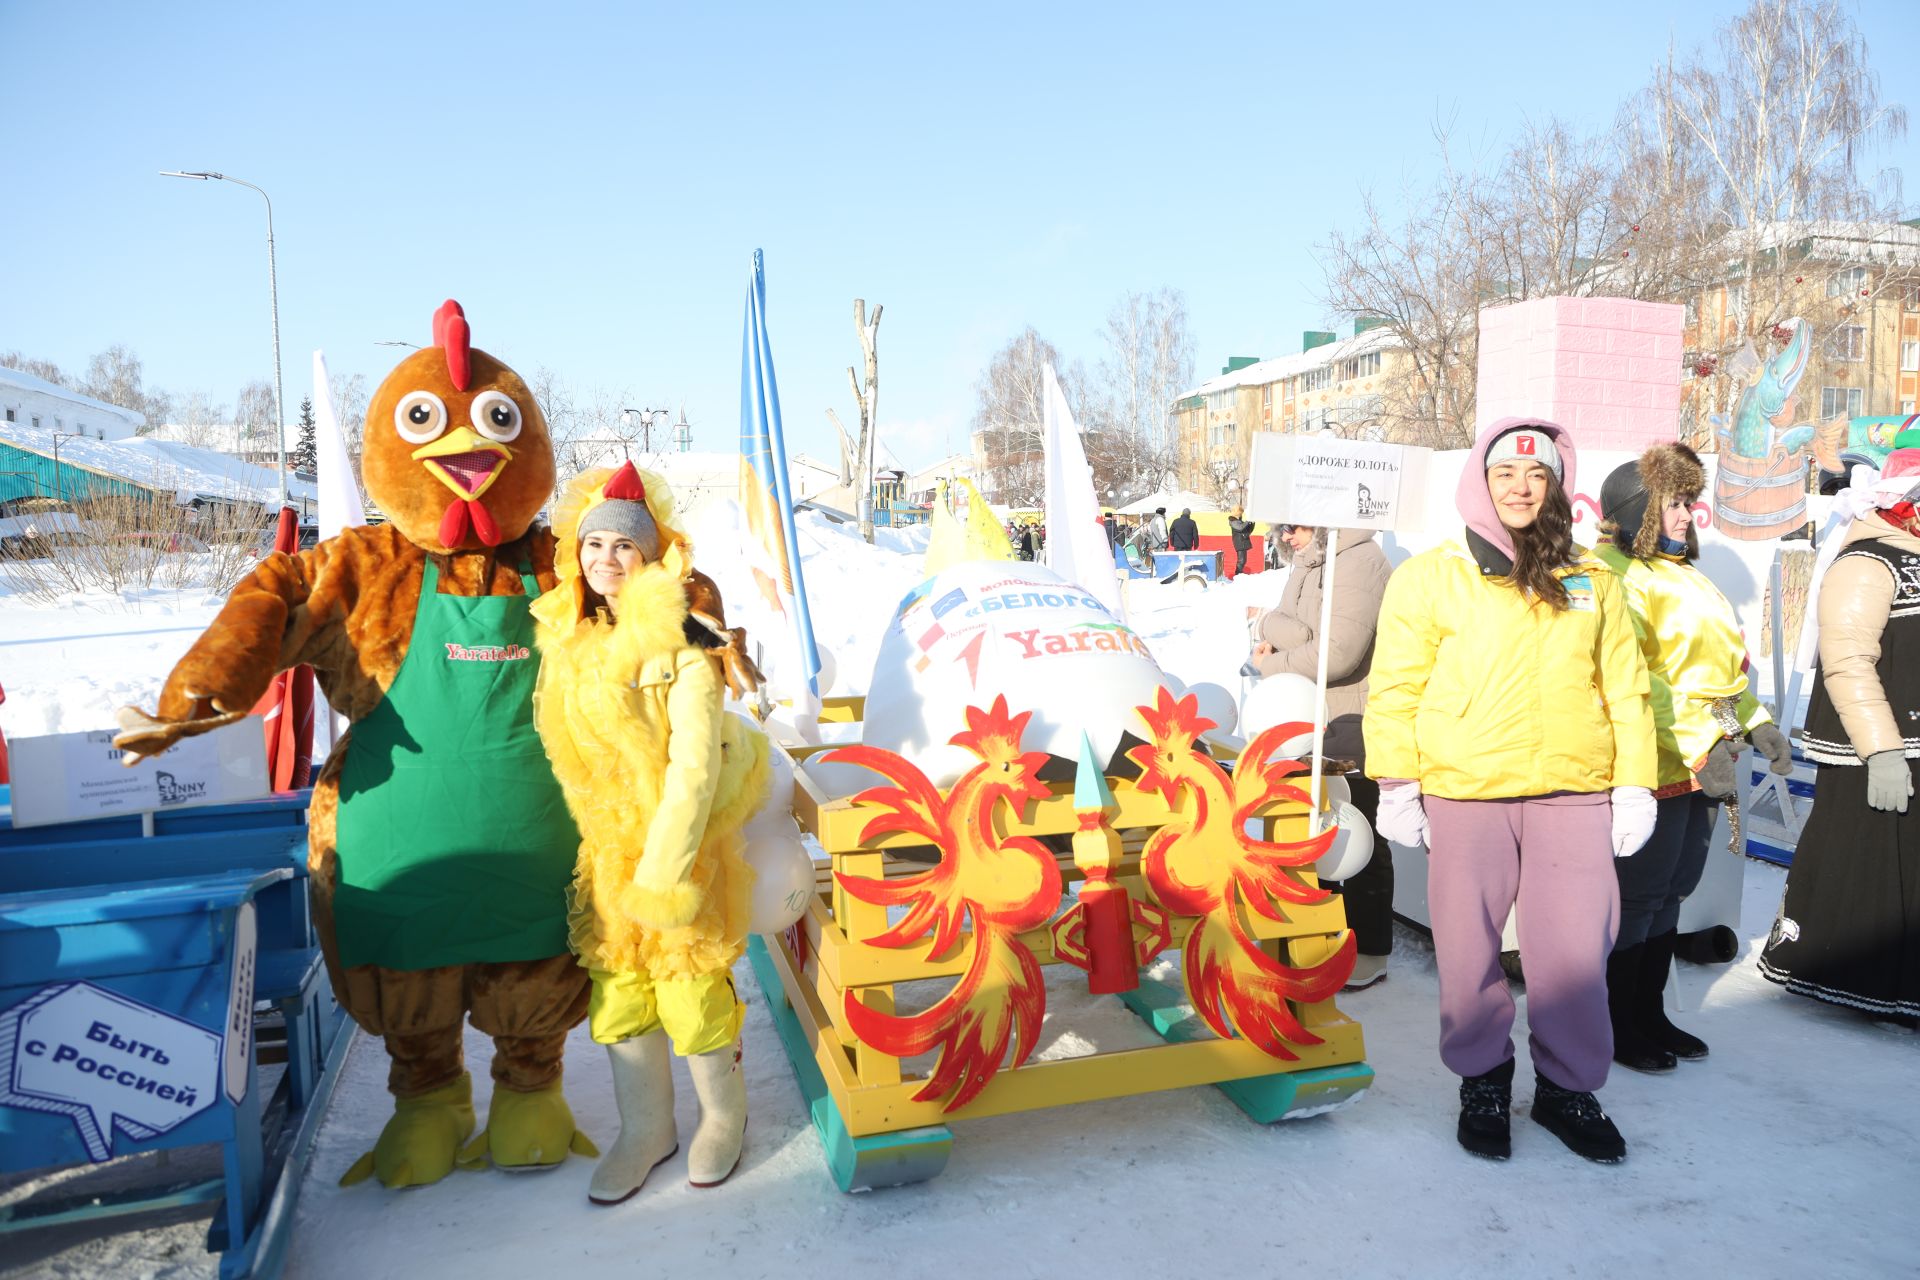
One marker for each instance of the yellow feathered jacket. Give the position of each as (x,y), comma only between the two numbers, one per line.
(660,779)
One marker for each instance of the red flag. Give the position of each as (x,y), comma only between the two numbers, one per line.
(288,704)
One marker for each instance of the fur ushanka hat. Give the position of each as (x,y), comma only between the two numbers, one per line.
(1636,492)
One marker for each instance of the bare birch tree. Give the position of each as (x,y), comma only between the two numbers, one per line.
(1423,276)
(1782,111)
(1146,363)
(1009,417)
(253,413)
(867,398)
(199,417)
(349,392)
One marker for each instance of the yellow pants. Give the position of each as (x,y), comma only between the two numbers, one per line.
(699,1014)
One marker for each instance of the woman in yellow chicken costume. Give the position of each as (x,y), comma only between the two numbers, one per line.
(660,780)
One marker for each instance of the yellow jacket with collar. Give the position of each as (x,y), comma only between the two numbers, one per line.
(659,777)
(1695,655)
(1479,694)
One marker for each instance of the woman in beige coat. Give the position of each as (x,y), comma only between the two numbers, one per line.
(1287,640)
(1848,931)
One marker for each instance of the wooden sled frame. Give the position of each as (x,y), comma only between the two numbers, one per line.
(863,1106)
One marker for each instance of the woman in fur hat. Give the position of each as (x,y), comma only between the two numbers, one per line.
(660,780)
(1704,713)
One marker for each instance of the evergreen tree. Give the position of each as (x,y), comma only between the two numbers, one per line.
(304,458)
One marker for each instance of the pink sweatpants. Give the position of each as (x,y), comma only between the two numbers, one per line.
(1554,856)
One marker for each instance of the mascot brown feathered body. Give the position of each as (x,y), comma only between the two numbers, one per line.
(439,844)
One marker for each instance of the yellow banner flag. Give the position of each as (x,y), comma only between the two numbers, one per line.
(961,539)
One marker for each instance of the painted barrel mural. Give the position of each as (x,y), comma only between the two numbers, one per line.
(1759,498)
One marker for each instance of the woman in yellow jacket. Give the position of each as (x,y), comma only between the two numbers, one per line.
(660,781)
(1703,708)
(1509,726)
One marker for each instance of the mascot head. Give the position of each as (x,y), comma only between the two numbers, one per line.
(457,453)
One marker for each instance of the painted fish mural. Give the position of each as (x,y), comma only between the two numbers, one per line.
(1760,490)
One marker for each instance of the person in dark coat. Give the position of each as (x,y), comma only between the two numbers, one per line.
(1113,530)
(1242,530)
(1184,533)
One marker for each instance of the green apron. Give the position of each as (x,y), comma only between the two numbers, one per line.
(455,845)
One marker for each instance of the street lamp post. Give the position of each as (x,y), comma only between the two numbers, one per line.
(647,418)
(273,294)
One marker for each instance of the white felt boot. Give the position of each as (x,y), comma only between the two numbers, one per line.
(643,1090)
(715,1152)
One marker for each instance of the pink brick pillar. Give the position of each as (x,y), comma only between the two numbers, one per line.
(1607,369)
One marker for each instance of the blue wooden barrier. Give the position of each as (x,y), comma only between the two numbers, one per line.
(133,970)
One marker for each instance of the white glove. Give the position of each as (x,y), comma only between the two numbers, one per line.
(1634,812)
(1403,819)
(1889,781)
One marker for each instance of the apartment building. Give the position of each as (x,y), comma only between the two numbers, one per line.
(1331,384)
(1856,284)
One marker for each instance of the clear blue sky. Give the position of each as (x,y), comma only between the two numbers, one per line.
(590,180)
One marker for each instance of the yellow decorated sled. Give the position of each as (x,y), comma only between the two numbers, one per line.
(985,881)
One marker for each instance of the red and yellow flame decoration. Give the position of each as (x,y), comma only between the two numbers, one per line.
(1204,864)
(999,885)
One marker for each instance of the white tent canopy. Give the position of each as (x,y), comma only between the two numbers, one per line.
(1175,503)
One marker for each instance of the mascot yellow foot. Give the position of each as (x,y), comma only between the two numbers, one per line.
(527,1131)
(420,1142)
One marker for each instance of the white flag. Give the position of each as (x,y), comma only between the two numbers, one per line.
(340,505)
(1077,547)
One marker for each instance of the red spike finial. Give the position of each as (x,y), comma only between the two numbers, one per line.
(450,331)
(625,485)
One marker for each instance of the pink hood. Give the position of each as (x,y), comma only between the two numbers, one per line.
(1472,498)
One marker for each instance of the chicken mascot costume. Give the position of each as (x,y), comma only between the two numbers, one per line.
(440,845)
(661,780)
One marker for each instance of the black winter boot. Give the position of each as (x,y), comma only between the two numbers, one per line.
(1654,965)
(1486,1112)
(1576,1119)
(1633,1047)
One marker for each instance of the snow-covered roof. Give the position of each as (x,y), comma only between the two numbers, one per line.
(162,466)
(225,437)
(1273,370)
(27,382)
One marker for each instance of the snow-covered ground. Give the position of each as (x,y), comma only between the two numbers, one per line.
(1790,1151)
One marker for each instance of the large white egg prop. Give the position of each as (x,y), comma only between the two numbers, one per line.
(992,629)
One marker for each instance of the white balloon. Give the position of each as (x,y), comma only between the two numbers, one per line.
(1174,684)
(782,882)
(1217,705)
(1334,787)
(1352,847)
(829,669)
(1279,699)
(779,785)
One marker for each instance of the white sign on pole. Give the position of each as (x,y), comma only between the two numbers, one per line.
(106,1062)
(1331,483)
(237,1059)
(67,777)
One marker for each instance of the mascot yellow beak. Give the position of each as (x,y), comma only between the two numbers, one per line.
(465,461)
